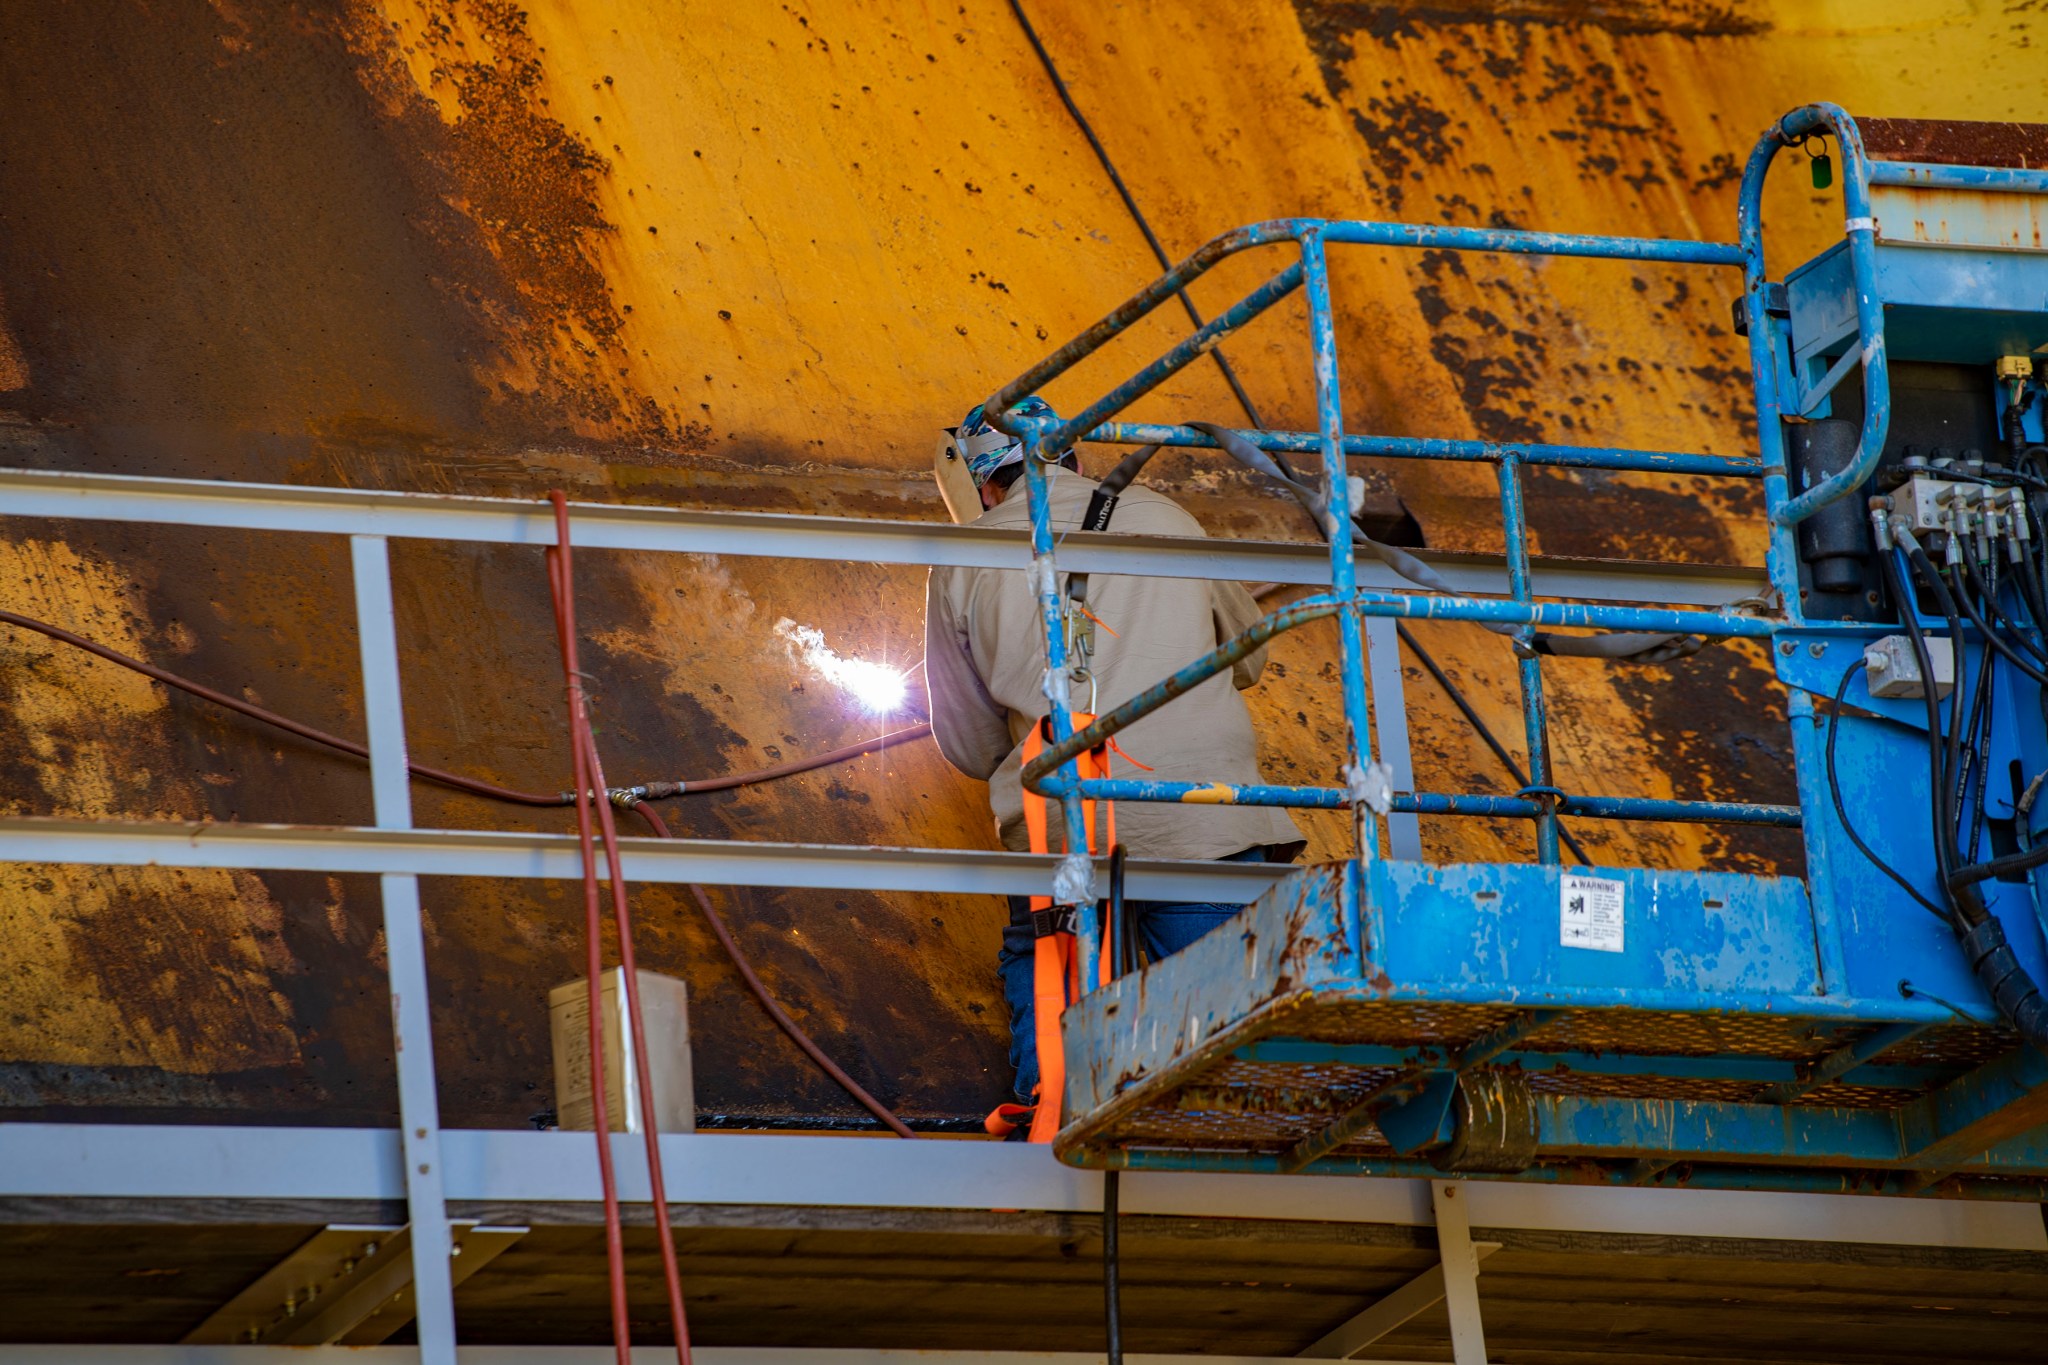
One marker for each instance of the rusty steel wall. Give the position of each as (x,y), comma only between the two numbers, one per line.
(749,256)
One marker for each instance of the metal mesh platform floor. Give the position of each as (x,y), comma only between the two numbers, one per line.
(1271,1106)
(1303,1034)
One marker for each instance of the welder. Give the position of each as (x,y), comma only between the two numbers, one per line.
(985,665)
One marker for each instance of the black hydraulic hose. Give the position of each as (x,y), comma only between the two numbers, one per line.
(1945,754)
(2028,573)
(1991,637)
(1842,811)
(1112,1270)
(1978,774)
(1123,192)
(1900,588)
(2016,423)
(1992,959)
(1122,929)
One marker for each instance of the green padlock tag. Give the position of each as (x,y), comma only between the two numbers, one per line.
(1823,171)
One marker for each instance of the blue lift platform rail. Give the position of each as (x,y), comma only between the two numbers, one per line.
(1865,1029)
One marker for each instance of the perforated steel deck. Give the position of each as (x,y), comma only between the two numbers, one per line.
(1284,1039)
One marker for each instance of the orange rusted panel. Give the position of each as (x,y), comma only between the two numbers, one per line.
(749,256)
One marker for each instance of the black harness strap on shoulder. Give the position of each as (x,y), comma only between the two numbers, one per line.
(1101,507)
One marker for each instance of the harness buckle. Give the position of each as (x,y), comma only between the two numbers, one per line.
(1057,920)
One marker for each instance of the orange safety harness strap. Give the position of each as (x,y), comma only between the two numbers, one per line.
(1056,968)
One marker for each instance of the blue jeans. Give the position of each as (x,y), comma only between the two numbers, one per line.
(1164,928)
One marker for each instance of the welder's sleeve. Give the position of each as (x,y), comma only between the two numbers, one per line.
(1236,612)
(973,731)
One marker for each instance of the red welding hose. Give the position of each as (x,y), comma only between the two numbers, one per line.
(775,1011)
(589,782)
(659,791)
(593,941)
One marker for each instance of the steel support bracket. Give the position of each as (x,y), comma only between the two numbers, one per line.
(1424,1119)
(348,1285)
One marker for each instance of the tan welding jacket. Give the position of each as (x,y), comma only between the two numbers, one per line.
(985,664)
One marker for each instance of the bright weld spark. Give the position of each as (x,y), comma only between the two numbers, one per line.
(878,688)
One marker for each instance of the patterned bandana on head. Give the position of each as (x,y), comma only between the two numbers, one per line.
(987,449)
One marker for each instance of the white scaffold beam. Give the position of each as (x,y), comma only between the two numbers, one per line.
(598,526)
(582,1355)
(215,1164)
(495,853)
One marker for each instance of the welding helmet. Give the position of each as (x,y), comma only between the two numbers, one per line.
(969,454)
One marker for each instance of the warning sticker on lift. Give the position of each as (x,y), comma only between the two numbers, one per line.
(1589,913)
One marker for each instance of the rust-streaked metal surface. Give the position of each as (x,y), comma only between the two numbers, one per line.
(1948,142)
(748,256)
(1918,214)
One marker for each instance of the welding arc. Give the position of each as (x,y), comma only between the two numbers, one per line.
(474,786)
(589,781)
(652,790)
(775,1011)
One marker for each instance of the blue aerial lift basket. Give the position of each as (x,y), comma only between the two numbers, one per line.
(1862,1029)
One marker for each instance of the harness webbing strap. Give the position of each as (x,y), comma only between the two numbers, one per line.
(1056,968)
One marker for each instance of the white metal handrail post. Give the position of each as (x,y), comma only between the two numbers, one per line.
(405,950)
